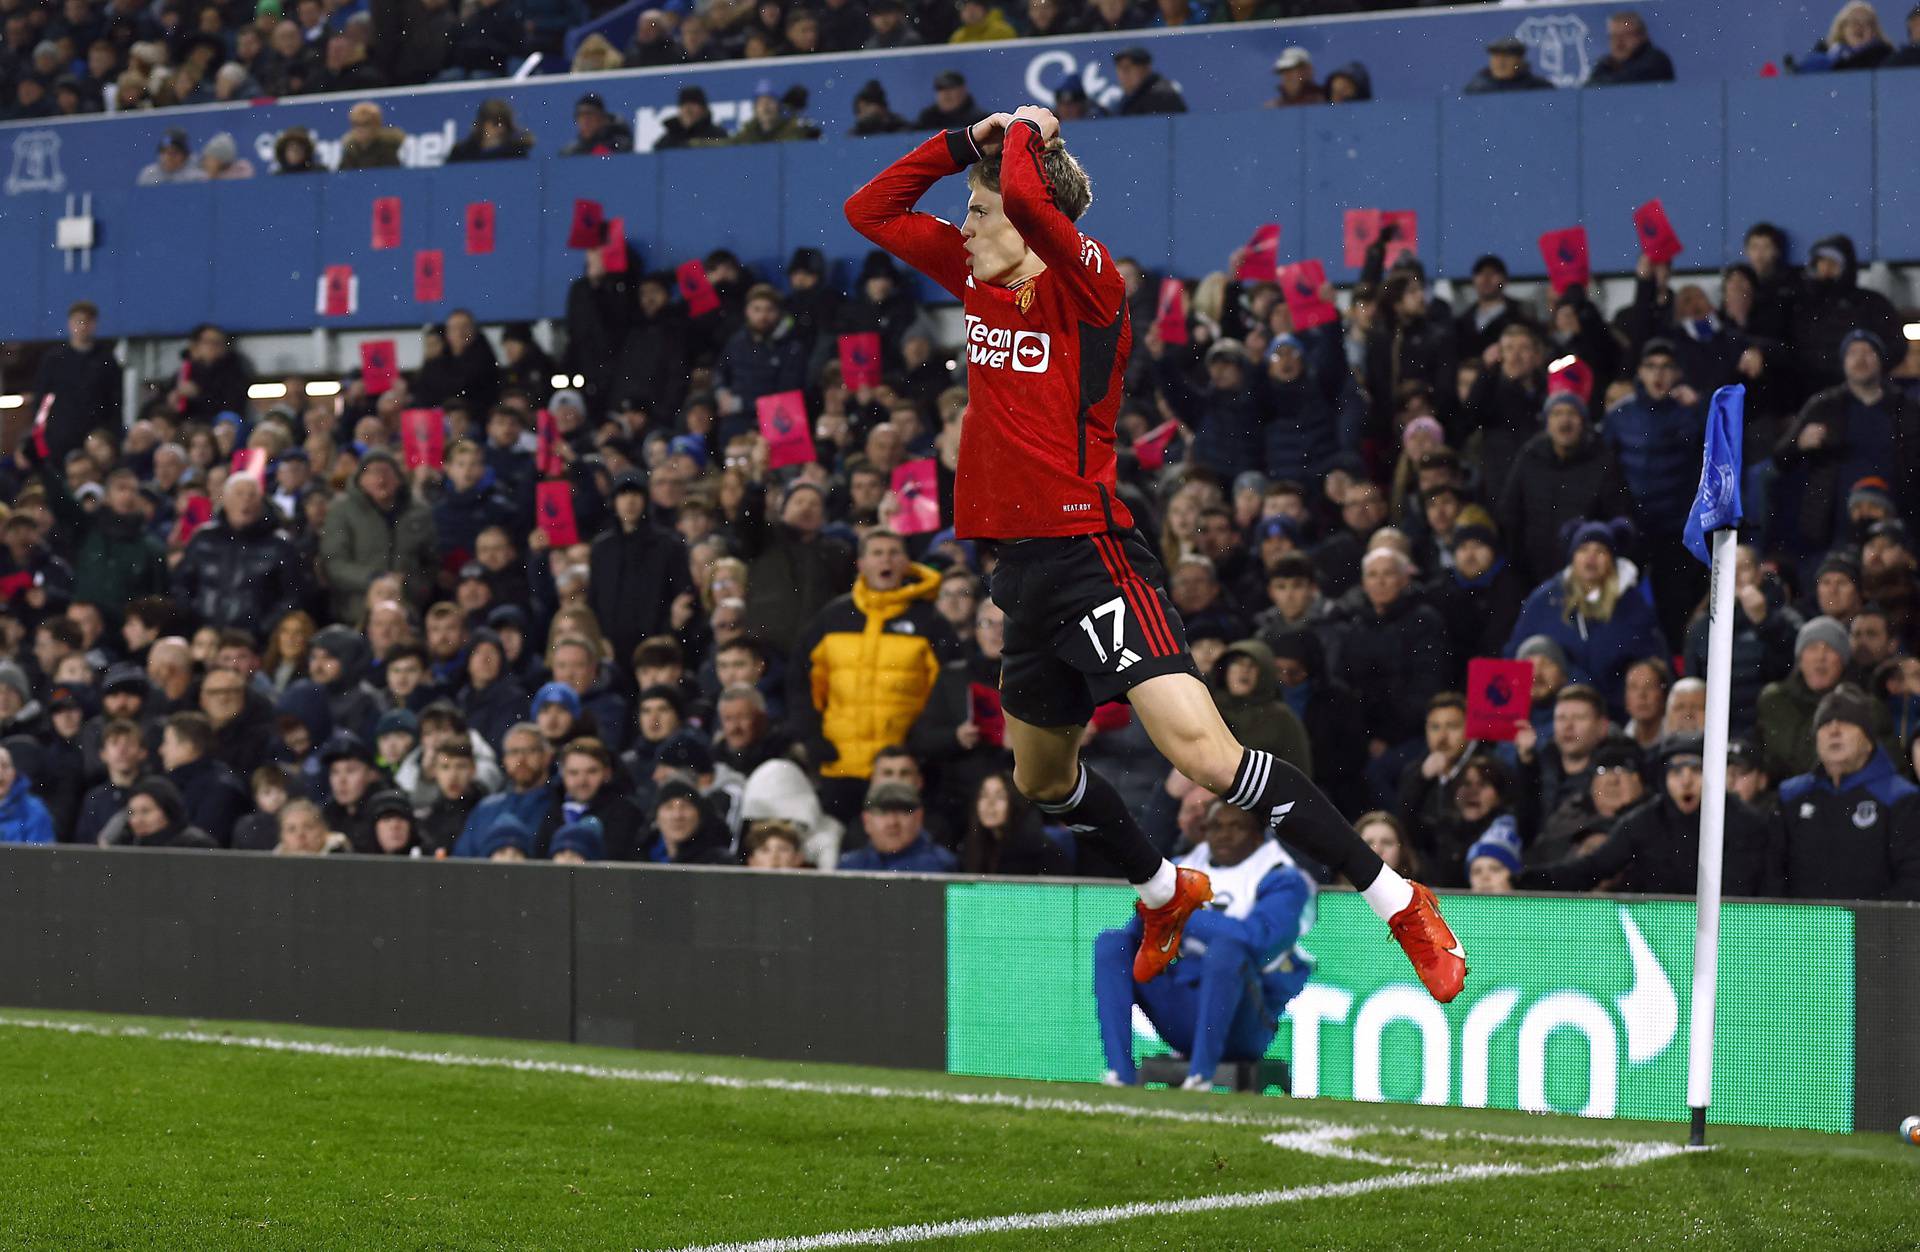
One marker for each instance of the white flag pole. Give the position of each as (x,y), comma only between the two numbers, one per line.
(1713,820)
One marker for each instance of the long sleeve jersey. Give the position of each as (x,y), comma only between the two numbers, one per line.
(1044,356)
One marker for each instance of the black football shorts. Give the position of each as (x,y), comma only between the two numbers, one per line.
(1087,619)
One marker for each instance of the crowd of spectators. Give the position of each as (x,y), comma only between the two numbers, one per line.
(67,57)
(363,651)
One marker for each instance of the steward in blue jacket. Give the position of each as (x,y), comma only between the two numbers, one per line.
(1239,965)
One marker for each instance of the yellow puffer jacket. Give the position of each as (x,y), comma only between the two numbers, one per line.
(871,660)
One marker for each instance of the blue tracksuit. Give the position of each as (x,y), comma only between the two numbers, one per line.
(1238,970)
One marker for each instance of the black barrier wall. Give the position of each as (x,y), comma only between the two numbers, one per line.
(814,967)
(736,962)
(326,941)
(805,967)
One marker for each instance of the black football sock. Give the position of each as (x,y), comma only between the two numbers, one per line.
(1094,807)
(1301,814)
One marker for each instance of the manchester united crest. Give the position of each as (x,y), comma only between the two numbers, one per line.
(1025,299)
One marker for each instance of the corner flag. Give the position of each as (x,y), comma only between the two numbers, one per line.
(1716,505)
(1715,512)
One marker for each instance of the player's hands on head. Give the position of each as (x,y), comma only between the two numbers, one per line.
(989,128)
(1043,119)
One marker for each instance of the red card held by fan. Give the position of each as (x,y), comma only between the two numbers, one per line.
(1300,283)
(379,366)
(39,434)
(386,223)
(1150,449)
(699,294)
(195,513)
(338,291)
(250,463)
(860,360)
(589,226)
(429,276)
(783,423)
(1499,695)
(553,505)
(916,485)
(1361,227)
(480,228)
(423,437)
(1657,237)
(1170,322)
(1260,260)
(613,253)
(1565,252)
(547,461)
(1571,376)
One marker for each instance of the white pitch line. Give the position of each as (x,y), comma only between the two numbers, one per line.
(980,1099)
(1314,1137)
(1067,1219)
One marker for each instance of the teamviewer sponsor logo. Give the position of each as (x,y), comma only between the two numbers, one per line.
(996,347)
(1032,352)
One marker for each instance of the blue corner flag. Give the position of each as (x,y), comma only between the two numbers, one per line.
(1716,505)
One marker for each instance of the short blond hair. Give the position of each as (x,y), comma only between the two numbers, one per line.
(1066,180)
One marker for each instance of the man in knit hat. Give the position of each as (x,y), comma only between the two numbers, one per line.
(1849,829)
(1563,473)
(1480,596)
(1783,727)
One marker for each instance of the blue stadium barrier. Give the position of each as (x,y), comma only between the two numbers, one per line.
(1415,55)
(1814,154)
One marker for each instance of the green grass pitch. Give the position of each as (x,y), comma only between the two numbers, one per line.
(147,1133)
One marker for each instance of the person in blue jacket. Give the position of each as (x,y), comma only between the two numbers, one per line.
(529,790)
(23,818)
(897,839)
(1240,964)
(1596,609)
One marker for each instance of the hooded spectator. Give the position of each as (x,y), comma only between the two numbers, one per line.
(156,817)
(495,136)
(1248,697)
(339,660)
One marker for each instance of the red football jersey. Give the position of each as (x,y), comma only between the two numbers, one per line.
(1044,358)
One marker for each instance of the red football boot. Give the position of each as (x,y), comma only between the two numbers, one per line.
(1160,945)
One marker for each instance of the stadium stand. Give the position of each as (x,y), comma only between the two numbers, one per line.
(580,570)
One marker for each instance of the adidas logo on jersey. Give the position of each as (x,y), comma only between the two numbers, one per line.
(1279,814)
